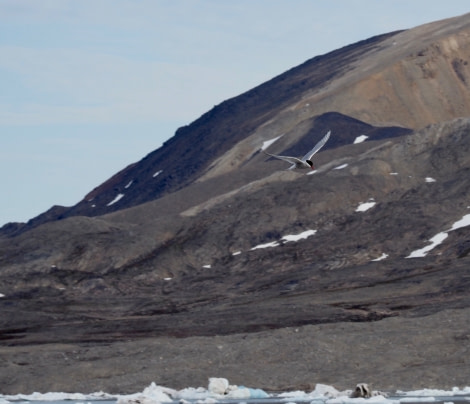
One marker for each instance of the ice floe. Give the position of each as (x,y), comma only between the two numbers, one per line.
(219,390)
(436,392)
(116,199)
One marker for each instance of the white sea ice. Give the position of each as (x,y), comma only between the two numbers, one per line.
(220,389)
(151,395)
(268,143)
(360,139)
(436,392)
(118,197)
(218,385)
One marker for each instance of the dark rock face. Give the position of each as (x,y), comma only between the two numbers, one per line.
(238,268)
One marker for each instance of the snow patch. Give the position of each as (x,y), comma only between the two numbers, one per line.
(157,173)
(286,239)
(206,266)
(267,245)
(465,221)
(366,205)
(435,241)
(440,237)
(430,179)
(300,236)
(2,295)
(360,139)
(382,257)
(237,253)
(118,197)
(341,167)
(393,173)
(268,143)
(129,184)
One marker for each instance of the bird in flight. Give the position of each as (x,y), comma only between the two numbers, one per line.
(305,161)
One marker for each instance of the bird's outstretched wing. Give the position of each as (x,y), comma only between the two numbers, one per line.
(289,159)
(317,147)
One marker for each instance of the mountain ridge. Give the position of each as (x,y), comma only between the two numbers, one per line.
(240,252)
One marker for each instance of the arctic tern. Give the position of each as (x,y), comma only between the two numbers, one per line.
(305,161)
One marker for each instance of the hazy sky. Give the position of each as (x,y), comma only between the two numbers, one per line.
(90,86)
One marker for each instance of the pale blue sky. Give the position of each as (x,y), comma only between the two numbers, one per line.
(90,86)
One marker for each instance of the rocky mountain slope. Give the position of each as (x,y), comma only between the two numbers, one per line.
(406,79)
(333,273)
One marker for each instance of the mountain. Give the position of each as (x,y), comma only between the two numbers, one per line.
(208,258)
(407,79)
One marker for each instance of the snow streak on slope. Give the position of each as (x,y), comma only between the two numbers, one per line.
(440,237)
(366,205)
(286,239)
(118,197)
(268,143)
